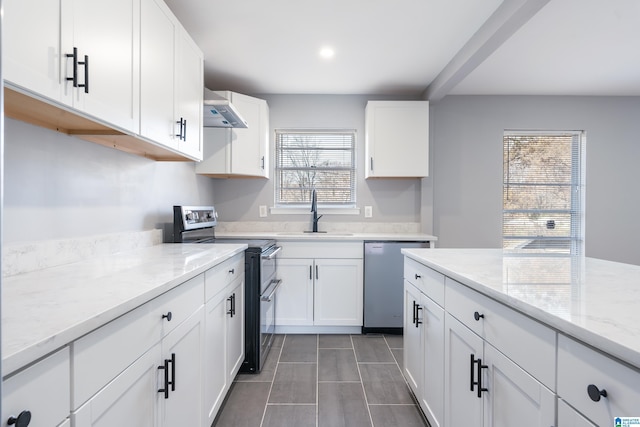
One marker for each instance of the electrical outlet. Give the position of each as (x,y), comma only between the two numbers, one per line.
(368,211)
(263,211)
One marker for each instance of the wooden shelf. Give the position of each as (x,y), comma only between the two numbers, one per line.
(23,107)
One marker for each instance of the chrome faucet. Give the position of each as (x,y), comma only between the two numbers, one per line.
(314,209)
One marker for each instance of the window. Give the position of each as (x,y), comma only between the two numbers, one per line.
(543,202)
(320,159)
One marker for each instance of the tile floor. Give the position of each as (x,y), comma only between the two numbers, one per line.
(325,381)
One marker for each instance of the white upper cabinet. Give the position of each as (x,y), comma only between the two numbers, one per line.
(171,92)
(238,152)
(397,139)
(106,36)
(121,73)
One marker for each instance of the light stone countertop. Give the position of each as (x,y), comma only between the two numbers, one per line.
(47,309)
(331,235)
(592,300)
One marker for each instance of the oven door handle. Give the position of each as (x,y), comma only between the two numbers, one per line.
(273,253)
(273,287)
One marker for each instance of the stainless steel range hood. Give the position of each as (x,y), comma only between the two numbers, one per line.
(219,112)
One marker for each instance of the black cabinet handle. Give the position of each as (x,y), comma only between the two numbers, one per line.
(165,368)
(22,420)
(310,273)
(595,393)
(173,372)
(371,163)
(181,123)
(184,132)
(418,276)
(413,320)
(316,272)
(478,381)
(232,271)
(478,316)
(230,312)
(168,316)
(74,55)
(86,74)
(262,162)
(233,303)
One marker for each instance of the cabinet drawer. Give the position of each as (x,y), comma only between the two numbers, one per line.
(580,366)
(104,353)
(180,302)
(430,282)
(318,249)
(43,389)
(528,343)
(218,277)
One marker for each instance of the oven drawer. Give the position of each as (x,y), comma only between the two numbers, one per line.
(218,277)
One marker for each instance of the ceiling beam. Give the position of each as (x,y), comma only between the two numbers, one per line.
(501,25)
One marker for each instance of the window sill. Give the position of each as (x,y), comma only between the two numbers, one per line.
(321,211)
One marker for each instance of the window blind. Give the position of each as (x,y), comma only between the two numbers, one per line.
(308,159)
(542,192)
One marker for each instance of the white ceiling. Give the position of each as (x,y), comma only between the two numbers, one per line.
(581,47)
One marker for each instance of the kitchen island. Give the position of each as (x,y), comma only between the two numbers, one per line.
(561,332)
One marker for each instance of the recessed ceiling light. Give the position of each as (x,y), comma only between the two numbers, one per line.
(327,52)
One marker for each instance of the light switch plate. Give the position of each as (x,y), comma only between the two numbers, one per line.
(368,211)
(263,211)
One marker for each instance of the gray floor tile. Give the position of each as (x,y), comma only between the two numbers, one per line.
(236,412)
(396,415)
(342,405)
(278,339)
(384,384)
(394,341)
(371,349)
(266,373)
(294,383)
(290,416)
(337,365)
(300,348)
(334,341)
(398,353)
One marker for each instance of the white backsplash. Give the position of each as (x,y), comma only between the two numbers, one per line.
(24,257)
(351,227)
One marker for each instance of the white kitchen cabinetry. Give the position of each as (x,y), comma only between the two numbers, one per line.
(491,356)
(238,152)
(397,139)
(224,332)
(143,368)
(43,390)
(569,417)
(595,385)
(171,92)
(322,284)
(102,80)
(77,68)
(424,339)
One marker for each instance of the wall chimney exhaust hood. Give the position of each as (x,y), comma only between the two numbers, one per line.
(219,112)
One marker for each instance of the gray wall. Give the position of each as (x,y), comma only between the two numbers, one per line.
(58,186)
(393,200)
(467,148)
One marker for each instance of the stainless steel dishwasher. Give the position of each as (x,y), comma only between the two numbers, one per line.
(383,285)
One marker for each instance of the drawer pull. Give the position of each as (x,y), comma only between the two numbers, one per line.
(418,321)
(232,271)
(418,276)
(478,316)
(168,316)
(21,420)
(595,393)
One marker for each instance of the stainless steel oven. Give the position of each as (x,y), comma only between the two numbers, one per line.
(196,224)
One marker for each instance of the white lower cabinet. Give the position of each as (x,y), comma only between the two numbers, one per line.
(224,333)
(320,292)
(41,391)
(424,352)
(130,399)
(485,388)
(569,417)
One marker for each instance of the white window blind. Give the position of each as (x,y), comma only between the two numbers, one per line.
(543,203)
(320,159)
